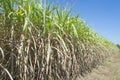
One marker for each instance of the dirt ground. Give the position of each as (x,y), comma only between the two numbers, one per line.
(110,70)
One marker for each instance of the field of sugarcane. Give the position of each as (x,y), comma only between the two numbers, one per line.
(41,41)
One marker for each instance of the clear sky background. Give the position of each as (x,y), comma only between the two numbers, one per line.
(103,16)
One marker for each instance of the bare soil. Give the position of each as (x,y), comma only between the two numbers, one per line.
(110,70)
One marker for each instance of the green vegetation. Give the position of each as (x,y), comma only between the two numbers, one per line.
(43,42)
(118,45)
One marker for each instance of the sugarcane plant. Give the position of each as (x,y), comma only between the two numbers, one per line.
(40,41)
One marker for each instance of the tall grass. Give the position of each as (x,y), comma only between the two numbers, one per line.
(43,42)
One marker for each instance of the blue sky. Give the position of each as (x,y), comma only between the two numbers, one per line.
(103,16)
